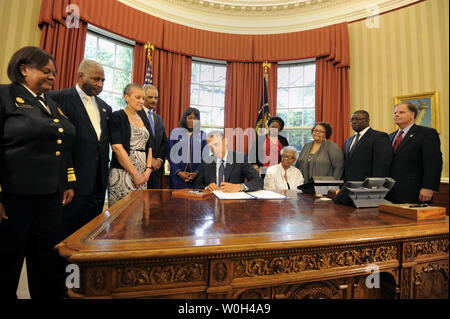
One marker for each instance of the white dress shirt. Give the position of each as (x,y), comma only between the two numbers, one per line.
(91,106)
(360,136)
(275,177)
(405,132)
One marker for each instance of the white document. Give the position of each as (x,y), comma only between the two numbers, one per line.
(261,194)
(265,194)
(237,195)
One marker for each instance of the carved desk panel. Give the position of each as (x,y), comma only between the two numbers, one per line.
(152,245)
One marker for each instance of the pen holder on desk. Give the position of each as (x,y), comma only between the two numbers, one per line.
(191,193)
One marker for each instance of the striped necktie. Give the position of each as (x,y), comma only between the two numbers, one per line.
(221,173)
(356,141)
(398,140)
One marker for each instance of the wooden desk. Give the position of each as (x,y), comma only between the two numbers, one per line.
(155,246)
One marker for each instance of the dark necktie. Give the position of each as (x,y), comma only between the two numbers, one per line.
(356,141)
(398,140)
(152,123)
(40,98)
(221,173)
(45,106)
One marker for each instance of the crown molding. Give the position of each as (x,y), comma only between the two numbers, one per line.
(265,16)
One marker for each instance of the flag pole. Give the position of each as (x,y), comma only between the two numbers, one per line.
(266,66)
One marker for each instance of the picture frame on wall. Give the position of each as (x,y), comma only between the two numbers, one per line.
(428,105)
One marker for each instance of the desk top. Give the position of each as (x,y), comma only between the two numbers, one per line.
(152,223)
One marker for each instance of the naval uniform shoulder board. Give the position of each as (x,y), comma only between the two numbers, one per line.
(21,103)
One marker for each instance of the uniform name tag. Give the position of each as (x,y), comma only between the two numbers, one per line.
(25,106)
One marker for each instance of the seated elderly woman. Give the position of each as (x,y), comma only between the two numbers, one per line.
(284,175)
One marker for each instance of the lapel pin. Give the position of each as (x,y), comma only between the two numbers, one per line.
(411,135)
(104,110)
(20,100)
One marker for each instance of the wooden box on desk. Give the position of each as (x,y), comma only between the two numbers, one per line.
(413,211)
(191,193)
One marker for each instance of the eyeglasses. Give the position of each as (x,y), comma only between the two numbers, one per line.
(289,157)
(358,119)
(319,131)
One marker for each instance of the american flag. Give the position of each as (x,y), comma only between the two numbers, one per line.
(264,113)
(149,64)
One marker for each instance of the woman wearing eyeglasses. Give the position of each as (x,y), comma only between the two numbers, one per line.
(321,157)
(284,175)
(266,150)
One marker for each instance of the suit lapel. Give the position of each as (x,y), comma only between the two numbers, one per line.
(348,142)
(408,137)
(392,136)
(229,167)
(361,141)
(103,117)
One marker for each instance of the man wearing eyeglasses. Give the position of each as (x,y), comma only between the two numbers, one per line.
(158,133)
(368,153)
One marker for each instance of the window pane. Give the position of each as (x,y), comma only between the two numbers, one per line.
(298,137)
(283,77)
(106,96)
(206,74)
(295,98)
(282,98)
(219,76)
(109,78)
(310,75)
(284,115)
(90,51)
(195,90)
(219,96)
(206,95)
(106,50)
(124,58)
(121,79)
(295,118)
(294,137)
(195,74)
(309,97)
(205,115)
(309,117)
(118,102)
(217,116)
(295,76)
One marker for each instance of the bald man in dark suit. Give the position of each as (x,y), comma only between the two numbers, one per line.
(90,153)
